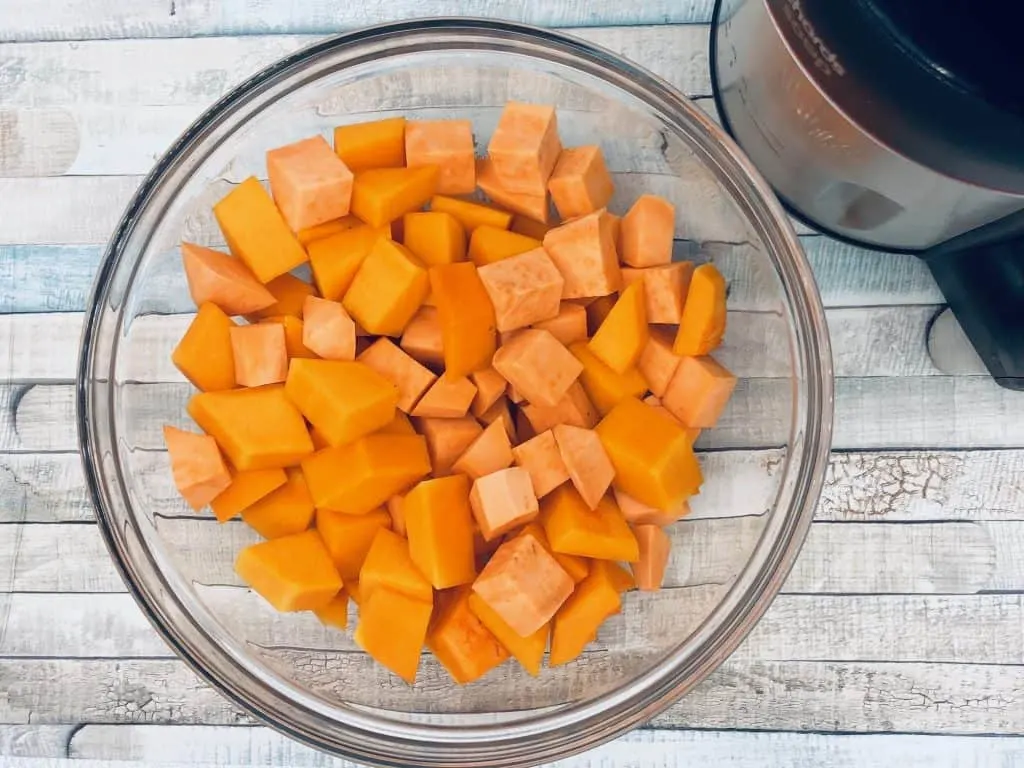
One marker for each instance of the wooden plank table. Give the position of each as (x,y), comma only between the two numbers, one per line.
(898,640)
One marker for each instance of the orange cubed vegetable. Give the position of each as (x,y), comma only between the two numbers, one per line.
(524,147)
(328,228)
(703,322)
(500,412)
(434,237)
(528,651)
(583,250)
(448,398)
(638,513)
(397,514)
(387,290)
(221,279)
(471,214)
(623,334)
(467,318)
(568,326)
(620,578)
(389,564)
(293,330)
(336,259)
(699,391)
(292,573)
(277,438)
(411,378)
(352,589)
(348,538)
(539,456)
(392,629)
(289,295)
(260,354)
(524,225)
(376,144)
(537,365)
(524,289)
(256,232)
(400,425)
(692,433)
(653,459)
(574,408)
(328,330)
(658,363)
(197,466)
(447,144)
(502,501)
(576,623)
(523,584)
(649,570)
(461,642)
(490,452)
(535,206)
(204,353)
(311,185)
(598,309)
(490,386)
(603,386)
(580,183)
(439,525)
(359,477)
(588,465)
(665,289)
(577,567)
(245,490)
(447,439)
(343,400)
(381,195)
(575,529)
(285,511)
(490,244)
(647,231)
(422,337)
(335,613)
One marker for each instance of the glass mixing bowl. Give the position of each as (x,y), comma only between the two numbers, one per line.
(764,463)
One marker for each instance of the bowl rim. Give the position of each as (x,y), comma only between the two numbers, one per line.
(573,727)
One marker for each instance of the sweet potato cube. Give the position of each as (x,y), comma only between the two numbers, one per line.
(648,229)
(422,338)
(638,513)
(359,477)
(292,573)
(197,466)
(467,318)
(278,438)
(623,334)
(537,365)
(204,353)
(293,331)
(583,250)
(524,289)
(588,465)
(568,326)
(411,378)
(439,525)
(336,259)
(649,570)
(575,529)
(328,228)
(376,144)
(603,386)
(490,452)
(523,584)
(525,147)
(574,408)
(447,439)
(381,195)
(658,363)
(533,205)
(221,279)
(392,629)
(653,459)
(490,386)
(285,511)
(471,214)
(580,183)
(260,354)
(396,512)
(387,290)
(577,621)
(576,567)
(528,651)
(448,398)
(311,185)
(699,392)
(665,289)
(335,613)
(490,244)
(434,237)
(703,323)
(343,400)
(540,457)
(503,500)
(692,433)
(524,225)
(348,538)
(500,412)
(328,330)
(389,564)
(245,490)
(256,232)
(448,144)
(461,642)
(289,296)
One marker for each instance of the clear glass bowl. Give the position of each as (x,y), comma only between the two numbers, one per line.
(764,463)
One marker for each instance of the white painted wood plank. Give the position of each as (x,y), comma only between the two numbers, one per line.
(48,741)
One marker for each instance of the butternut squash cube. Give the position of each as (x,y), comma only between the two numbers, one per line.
(199,471)
(524,289)
(528,651)
(536,206)
(375,144)
(292,573)
(620,578)
(603,386)
(665,289)
(387,290)
(335,613)
(439,525)
(348,538)
(245,490)
(389,564)
(381,195)
(649,570)
(623,334)
(311,185)
(328,228)
(289,295)
(574,529)
(447,439)
(524,225)
(392,629)
(218,278)
(397,514)
(576,623)
(447,144)
(699,391)
(434,237)
(583,250)
(467,318)
(204,353)
(461,642)
(524,147)
(502,501)
(260,354)
(704,316)
(336,259)
(471,214)
(537,365)
(580,182)
(648,229)
(285,511)
(411,378)
(540,457)
(490,244)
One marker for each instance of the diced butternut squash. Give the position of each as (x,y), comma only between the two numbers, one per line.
(245,490)
(653,459)
(289,296)
(422,338)
(703,323)
(221,279)
(292,573)
(293,332)
(278,438)
(568,326)
(471,214)
(461,641)
(439,525)
(665,289)
(658,363)
(447,144)
(623,334)
(348,538)
(335,613)
(580,183)
(620,578)
(638,513)
(649,570)
(490,452)
(692,433)
(576,623)
(490,386)
(400,425)
(502,501)
(387,290)
(583,250)
(392,629)
(336,259)
(376,144)
(389,564)
(524,289)
(328,228)
(648,229)
(447,439)
(588,465)
(328,330)
(411,378)
(260,354)
(343,400)
(540,457)
(524,147)
(575,529)
(197,466)
(524,225)
(598,309)
(448,398)
(490,244)
(528,651)
(256,232)
(283,512)
(397,514)
(311,185)
(467,318)
(523,584)
(603,386)
(359,477)
(536,364)
(353,591)
(381,195)
(574,408)
(434,237)
(536,206)
(699,392)
(204,353)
